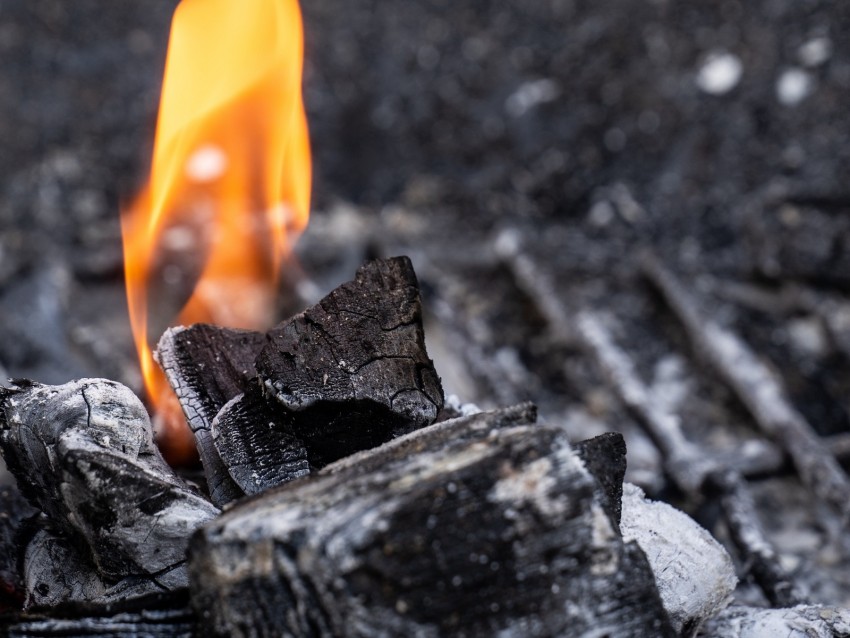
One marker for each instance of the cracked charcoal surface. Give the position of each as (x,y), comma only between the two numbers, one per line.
(207,366)
(353,369)
(379,544)
(83,453)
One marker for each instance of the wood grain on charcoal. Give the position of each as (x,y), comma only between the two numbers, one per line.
(462,528)
(207,366)
(254,439)
(83,453)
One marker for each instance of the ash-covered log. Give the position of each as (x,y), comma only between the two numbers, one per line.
(469,527)
(83,453)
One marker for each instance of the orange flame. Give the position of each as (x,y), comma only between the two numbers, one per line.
(231,172)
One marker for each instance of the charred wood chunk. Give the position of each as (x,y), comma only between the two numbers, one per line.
(83,453)
(15,530)
(207,366)
(604,457)
(353,369)
(255,441)
(501,532)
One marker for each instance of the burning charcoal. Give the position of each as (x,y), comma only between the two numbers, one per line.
(257,444)
(15,513)
(353,369)
(803,621)
(695,575)
(158,623)
(207,366)
(83,452)
(463,528)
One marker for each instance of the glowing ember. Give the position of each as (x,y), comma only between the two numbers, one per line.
(229,187)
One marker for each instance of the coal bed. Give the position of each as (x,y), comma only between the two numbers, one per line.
(632,214)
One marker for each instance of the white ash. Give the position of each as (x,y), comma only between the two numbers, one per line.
(802,621)
(454,404)
(694,574)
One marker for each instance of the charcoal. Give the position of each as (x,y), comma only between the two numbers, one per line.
(462,528)
(156,623)
(256,443)
(353,369)
(207,366)
(15,517)
(59,572)
(604,456)
(83,453)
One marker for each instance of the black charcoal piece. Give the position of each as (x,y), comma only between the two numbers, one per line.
(353,369)
(494,531)
(83,453)
(254,439)
(207,366)
(604,457)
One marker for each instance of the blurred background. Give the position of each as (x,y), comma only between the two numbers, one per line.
(523,154)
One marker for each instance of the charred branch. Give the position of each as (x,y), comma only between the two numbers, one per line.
(745,530)
(758,390)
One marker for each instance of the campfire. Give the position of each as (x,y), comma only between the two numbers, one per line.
(608,425)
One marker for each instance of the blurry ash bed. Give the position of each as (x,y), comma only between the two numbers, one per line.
(343,495)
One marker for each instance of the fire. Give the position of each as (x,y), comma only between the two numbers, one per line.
(229,187)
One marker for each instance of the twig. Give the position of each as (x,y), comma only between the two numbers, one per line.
(749,538)
(758,390)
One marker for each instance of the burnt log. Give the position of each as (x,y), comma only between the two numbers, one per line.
(83,453)
(353,370)
(469,527)
(207,366)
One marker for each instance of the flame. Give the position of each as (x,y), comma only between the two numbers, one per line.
(229,187)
